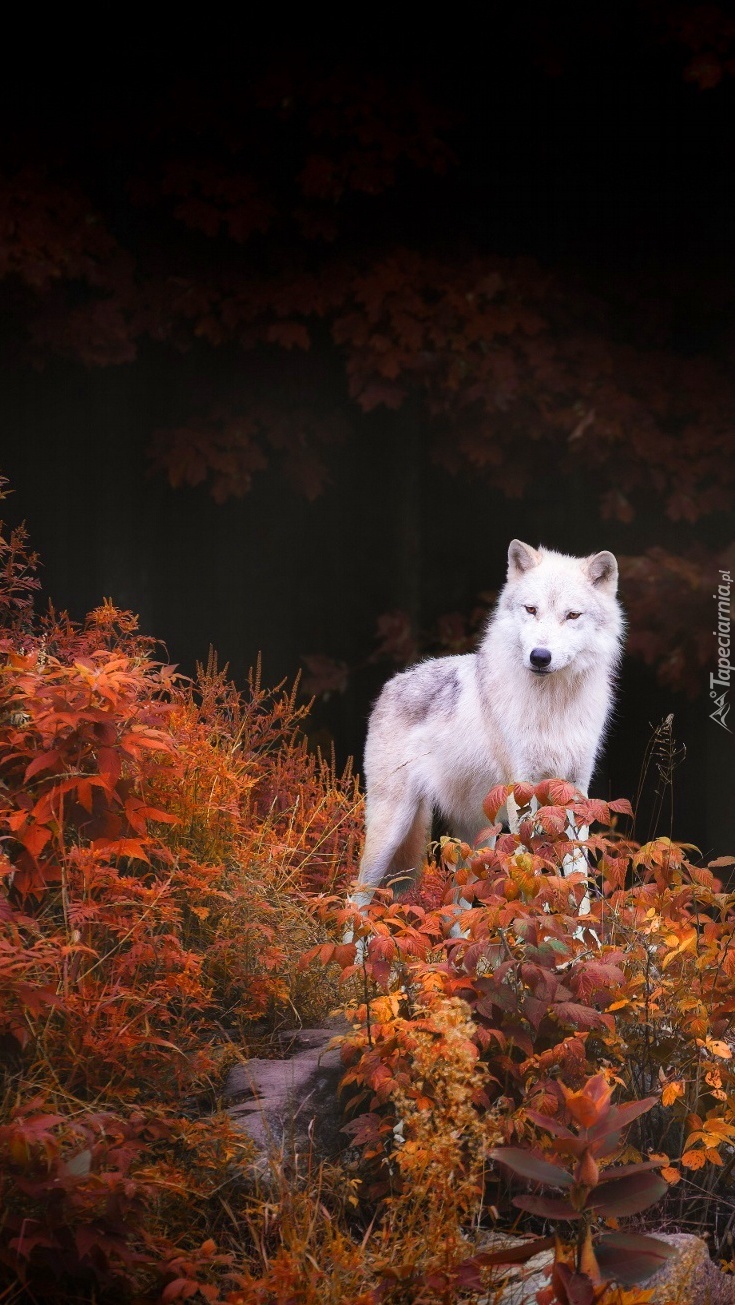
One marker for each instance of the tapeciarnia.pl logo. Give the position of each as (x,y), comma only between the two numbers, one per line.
(721,680)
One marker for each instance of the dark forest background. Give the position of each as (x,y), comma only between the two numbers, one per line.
(296,336)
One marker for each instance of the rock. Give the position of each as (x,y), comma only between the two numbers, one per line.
(291,1104)
(689,1278)
(522,1281)
(690,1275)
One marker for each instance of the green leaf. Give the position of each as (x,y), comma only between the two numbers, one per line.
(557,945)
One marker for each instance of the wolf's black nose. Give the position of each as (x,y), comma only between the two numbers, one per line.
(540,658)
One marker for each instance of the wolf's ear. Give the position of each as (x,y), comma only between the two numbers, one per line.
(521,558)
(602,572)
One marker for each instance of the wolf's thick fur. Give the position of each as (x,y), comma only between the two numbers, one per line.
(443,733)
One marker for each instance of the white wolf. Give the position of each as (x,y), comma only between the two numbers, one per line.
(530,704)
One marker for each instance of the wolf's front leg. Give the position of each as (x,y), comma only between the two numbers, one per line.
(396,835)
(577,860)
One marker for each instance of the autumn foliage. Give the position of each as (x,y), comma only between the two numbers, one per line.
(557,1004)
(157,838)
(174,870)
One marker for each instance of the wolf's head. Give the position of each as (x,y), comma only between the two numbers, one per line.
(558,611)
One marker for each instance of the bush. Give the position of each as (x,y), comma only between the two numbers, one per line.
(158,838)
(636,983)
(172,889)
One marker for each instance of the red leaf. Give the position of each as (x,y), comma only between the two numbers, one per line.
(549,1123)
(379,971)
(35,838)
(34,999)
(552,819)
(622,1171)
(523,793)
(84,795)
(622,805)
(307,957)
(495,799)
(531,1165)
(580,1017)
(631,1257)
(382,949)
(598,810)
(44,761)
(175,1289)
(570,1287)
(628,1195)
(109,763)
(467,1275)
(619,1117)
(549,1207)
(561,793)
(524,1250)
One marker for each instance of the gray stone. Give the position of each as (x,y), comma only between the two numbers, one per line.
(690,1277)
(291,1104)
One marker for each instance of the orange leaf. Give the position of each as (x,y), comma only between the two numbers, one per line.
(131,847)
(693,1159)
(622,805)
(671,1092)
(719,1049)
(589,1104)
(345,953)
(161,817)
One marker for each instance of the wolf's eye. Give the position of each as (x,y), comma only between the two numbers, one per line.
(531,611)
(573,616)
